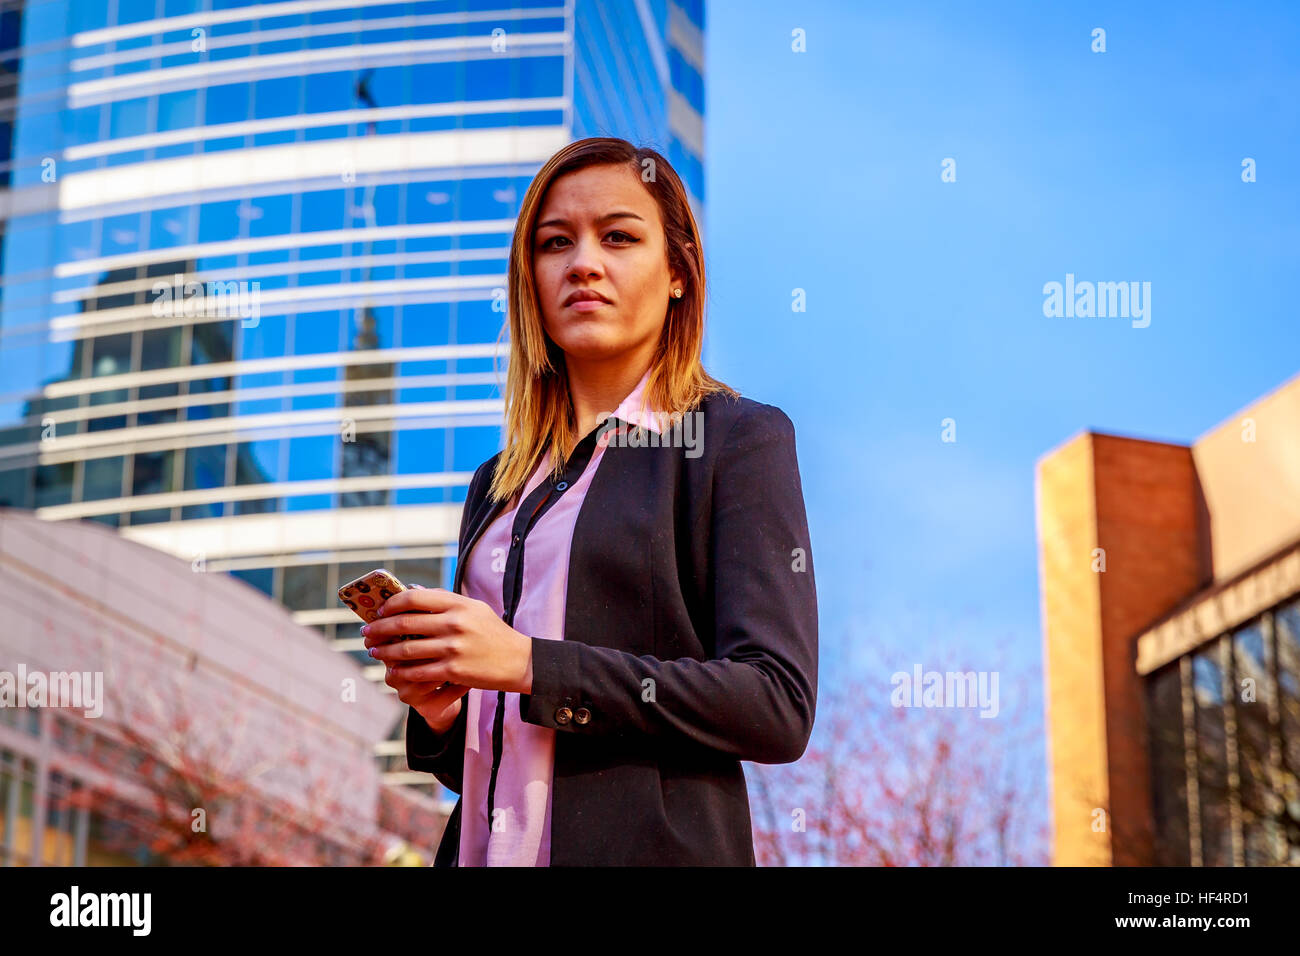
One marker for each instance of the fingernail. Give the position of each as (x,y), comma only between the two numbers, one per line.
(365,628)
(372,650)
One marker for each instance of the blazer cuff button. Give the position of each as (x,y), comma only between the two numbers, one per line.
(563,715)
(581,715)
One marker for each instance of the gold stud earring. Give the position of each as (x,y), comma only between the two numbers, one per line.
(677,293)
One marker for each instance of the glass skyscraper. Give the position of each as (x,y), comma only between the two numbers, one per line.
(254,262)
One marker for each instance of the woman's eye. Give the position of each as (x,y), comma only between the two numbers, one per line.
(626,238)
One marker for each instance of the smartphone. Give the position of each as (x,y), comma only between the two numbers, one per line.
(366,593)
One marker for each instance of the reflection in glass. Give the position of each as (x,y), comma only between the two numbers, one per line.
(54,484)
(1212,756)
(205,467)
(153,473)
(1286,628)
(261,578)
(1253,702)
(102,478)
(305,588)
(1168,766)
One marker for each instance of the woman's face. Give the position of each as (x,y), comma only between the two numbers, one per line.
(599,231)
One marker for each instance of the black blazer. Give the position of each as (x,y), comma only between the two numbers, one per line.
(694,573)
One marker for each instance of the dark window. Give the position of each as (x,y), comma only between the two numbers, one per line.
(261,578)
(1253,689)
(102,478)
(1211,756)
(1286,628)
(1168,766)
(305,588)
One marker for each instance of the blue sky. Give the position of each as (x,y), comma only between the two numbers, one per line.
(925,298)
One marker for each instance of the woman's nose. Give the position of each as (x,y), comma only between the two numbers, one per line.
(585,261)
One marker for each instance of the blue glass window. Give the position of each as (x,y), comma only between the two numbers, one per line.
(81,17)
(326,92)
(171,227)
(261,578)
(312,457)
(473,446)
(218,221)
(135,11)
(178,110)
(226,104)
(102,478)
(422,451)
(257,462)
(205,467)
(315,333)
(269,215)
(278,97)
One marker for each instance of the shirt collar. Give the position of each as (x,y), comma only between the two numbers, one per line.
(635,408)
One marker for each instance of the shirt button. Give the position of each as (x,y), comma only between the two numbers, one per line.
(581,715)
(514,542)
(563,715)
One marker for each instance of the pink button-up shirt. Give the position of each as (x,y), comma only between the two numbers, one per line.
(521,835)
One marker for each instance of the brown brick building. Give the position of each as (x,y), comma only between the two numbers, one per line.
(1170,583)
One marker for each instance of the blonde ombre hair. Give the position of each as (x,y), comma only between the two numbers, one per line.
(539,413)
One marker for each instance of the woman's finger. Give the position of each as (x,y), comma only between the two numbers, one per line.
(406,626)
(400,678)
(432,673)
(419,599)
(414,691)
(411,649)
(444,693)
(426,696)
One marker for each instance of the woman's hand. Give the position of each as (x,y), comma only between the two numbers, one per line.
(449,637)
(437,703)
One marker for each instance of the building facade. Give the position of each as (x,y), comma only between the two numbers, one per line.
(1170,579)
(253,264)
(152,710)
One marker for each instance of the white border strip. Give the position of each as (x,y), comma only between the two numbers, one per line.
(298,161)
(253,492)
(185,47)
(295,240)
(326,59)
(234,435)
(283,301)
(277,124)
(294,531)
(304,416)
(337,386)
(257,11)
(281,363)
(294,267)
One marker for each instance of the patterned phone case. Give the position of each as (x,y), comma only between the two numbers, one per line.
(369,591)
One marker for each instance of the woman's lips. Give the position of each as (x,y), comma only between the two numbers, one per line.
(587,305)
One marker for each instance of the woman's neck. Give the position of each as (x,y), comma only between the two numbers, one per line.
(596,389)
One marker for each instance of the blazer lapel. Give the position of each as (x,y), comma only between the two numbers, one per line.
(615,527)
(482,514)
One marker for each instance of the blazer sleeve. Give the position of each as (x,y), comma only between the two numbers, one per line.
(756,699)
(443,755)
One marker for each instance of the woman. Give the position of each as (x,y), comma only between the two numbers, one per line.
(634,610)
